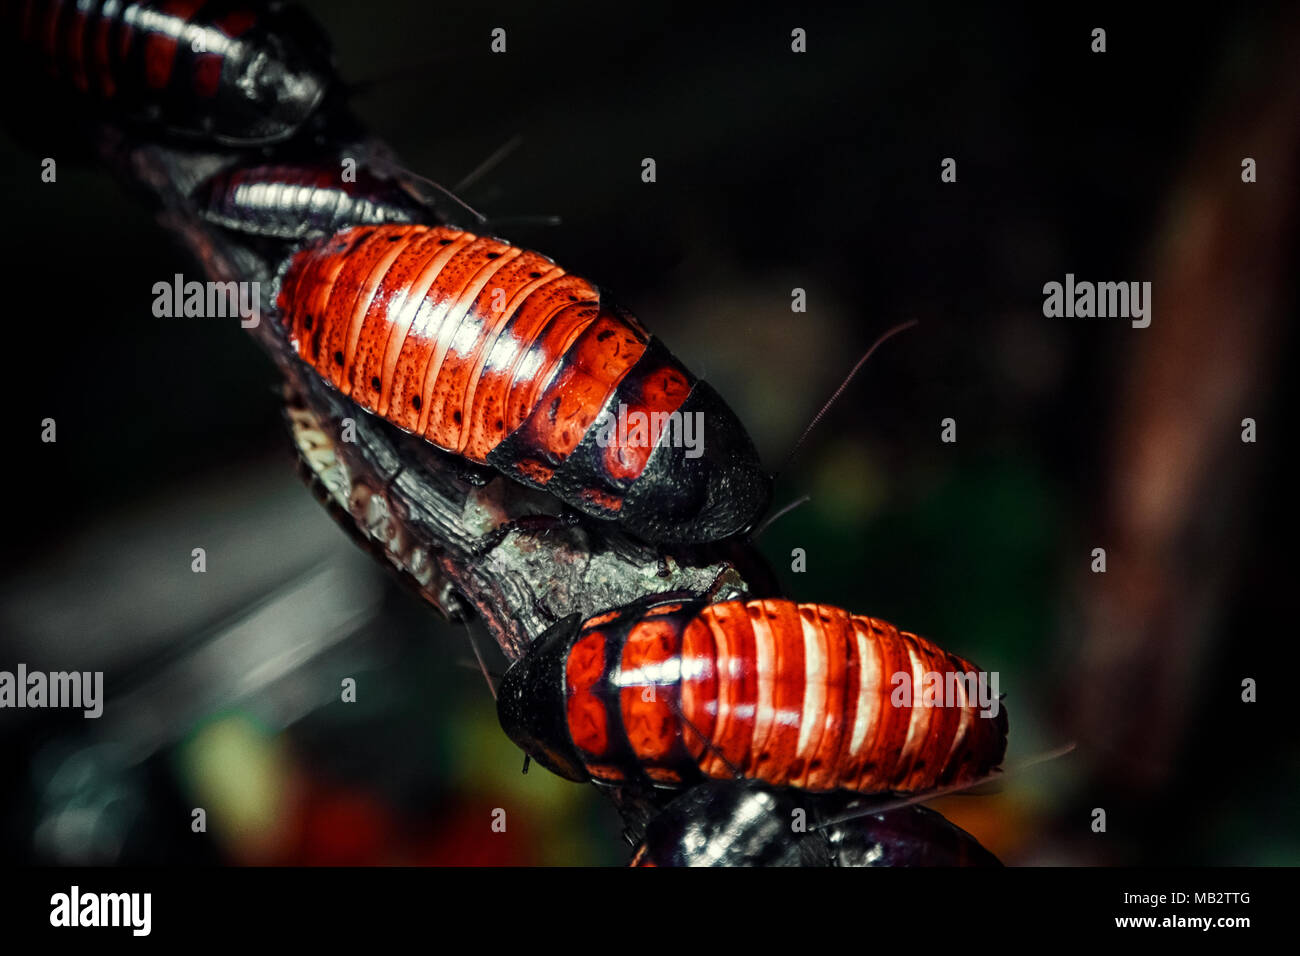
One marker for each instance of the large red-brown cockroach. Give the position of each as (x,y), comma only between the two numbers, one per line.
(749,823)
(238,73)
(296,202)
(803,695)
(498,355)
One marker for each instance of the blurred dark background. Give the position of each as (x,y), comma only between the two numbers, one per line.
(775,170)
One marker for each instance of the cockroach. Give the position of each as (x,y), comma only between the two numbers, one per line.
(236,73)
(667,692)
(749,823)
(498,355)
(295,202)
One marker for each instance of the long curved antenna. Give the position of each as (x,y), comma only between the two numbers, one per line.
(902,326)
(708,744)
(478,656)
(488,164)
(943,791)
(779,514)
(478,216)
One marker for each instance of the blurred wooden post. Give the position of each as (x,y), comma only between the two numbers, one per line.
(1223,262)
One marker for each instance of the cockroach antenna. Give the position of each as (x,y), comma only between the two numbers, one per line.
(411,175)
(489,164)
(708,744)
(937,792)
(785,510)
(901,327)
(478,656)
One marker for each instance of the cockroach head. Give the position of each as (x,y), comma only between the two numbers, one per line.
(531,701)
(281,74)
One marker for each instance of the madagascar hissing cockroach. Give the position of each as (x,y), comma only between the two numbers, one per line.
(749,823)
(295,202)
(802,695)
(237,73)
(498,355)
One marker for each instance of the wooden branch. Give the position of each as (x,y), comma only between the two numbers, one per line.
(452,532)
(466,540)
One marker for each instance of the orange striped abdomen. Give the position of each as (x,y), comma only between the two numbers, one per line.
(497,354)
(459,338)
(802,695)
(238,73)
(810,696)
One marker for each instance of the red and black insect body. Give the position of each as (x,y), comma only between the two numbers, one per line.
(799,695)
(497,354)
(237,73)
(297,202)
(748,823)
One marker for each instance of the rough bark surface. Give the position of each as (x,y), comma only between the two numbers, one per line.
(467,540)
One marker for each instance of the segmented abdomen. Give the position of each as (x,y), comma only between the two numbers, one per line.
(241,72)
(104,46)
(293,202)
(791,694)
(487,350)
